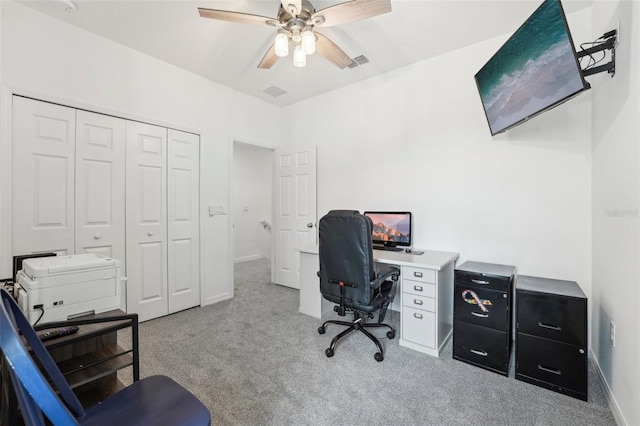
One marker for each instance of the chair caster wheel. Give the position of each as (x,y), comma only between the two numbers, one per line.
(378,356)
(391,334)
(329,352)
(321,330)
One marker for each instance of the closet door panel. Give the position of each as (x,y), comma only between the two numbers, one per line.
(43,177)
(100,185)
(146,220)
(184,220)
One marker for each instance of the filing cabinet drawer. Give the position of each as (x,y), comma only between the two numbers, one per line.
(550,364)
(553,317)
(418,288)
(481,346)
(419,274)
(419,326)
(483,281)
(419,302)
(482,307)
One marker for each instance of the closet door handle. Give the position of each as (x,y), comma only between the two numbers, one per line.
(481,353)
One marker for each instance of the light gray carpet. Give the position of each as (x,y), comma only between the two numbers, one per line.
(256,360)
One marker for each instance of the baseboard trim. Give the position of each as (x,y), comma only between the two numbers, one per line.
(216,299)
(248,258)
(613,404)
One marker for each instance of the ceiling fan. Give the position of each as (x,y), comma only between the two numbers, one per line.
(297,21)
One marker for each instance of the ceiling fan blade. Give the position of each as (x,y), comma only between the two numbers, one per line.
(289,4)
(269,58)
(242,18)
(331,51)
(351,11)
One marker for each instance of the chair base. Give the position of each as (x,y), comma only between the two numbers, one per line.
(359,325)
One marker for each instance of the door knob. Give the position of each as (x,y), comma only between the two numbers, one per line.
(309,225)
(97,236)
(150,233)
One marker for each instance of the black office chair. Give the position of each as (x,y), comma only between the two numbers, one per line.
(348,276)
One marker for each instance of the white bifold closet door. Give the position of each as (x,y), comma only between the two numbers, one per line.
(162,220)
(43,177)
(184,220)
(100,190)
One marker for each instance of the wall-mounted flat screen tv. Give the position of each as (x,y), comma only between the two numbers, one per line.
(535,70)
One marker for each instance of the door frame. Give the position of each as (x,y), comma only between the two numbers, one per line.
(272,149)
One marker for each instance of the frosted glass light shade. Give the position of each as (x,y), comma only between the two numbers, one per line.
(282,45)
(299,56)
(309,42)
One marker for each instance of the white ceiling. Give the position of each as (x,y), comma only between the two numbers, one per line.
(229,53)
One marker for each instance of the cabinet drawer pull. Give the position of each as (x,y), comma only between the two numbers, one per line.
(417,274)
(417,315)
(481,353)
(417,287)
(478,314)
(549,326)
(549,370)
(480,282)
(418,302)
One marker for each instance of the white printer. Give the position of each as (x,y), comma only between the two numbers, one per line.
(65,287)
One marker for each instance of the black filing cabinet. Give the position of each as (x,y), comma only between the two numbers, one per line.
(482,315)
(551,335)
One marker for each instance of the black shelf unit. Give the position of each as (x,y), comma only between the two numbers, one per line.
(482,311)
(551,335)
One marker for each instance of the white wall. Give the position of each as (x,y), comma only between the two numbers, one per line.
(49,59)
(416,139)
(616,199)
(251,201)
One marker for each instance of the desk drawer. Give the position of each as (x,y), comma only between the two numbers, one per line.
(419,326)
(493,311)
(418,288)
(419,302)
(419,274)
(483,281)
(481,346)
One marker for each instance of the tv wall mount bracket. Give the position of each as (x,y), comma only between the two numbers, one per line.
(609,41)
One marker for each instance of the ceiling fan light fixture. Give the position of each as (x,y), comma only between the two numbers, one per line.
(281,44)
(309,41)
(299,56)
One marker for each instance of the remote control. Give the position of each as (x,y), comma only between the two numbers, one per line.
(58,332)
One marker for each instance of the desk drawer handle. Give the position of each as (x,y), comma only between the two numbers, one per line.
(417,287)
(480,282)
(417,274)
(549,326)
(418,302)
(481,353)
(417,315)
(549,370)
(477,314)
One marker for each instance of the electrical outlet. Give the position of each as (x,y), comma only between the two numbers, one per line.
(612,333)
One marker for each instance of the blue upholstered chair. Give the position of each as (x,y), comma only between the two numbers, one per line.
(155,400)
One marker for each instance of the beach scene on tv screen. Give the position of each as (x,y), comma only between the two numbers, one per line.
(533,70)
(390,227)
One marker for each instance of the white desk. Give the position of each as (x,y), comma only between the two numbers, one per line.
(425,290)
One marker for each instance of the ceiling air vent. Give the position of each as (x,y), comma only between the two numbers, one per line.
(274,91)
(358,60)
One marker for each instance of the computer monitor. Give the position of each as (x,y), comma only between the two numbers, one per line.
(390,229)
(17,262)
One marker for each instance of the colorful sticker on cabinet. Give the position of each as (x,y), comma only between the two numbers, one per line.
(472,298)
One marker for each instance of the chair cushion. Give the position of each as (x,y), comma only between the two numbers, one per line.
(155,400)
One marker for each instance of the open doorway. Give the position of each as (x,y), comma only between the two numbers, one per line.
(252,206)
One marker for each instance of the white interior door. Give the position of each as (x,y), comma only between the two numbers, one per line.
(295,211)
(146,219)
(100,180)
(43,177)
(184,220)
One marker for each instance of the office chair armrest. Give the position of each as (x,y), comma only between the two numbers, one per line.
(383,274)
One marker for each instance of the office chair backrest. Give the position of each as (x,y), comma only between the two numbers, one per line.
(346,254)
(34,393)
